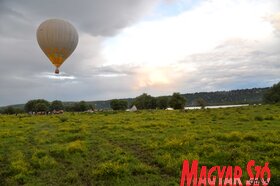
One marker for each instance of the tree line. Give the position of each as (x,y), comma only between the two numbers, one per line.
(242,96)
(145,101)
(176,101)
(41,105)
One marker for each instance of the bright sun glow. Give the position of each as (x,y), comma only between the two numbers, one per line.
(171,40)
(152,77)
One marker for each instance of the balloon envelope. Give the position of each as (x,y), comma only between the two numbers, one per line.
(58,39)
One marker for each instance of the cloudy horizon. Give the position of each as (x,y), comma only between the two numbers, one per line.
(126,48)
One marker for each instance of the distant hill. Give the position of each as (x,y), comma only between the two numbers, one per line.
(249,96)
(242,96)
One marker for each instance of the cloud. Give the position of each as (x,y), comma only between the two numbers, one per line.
(199,30)
(234,64)
(217,45)
(23,63)
(61,76)
(274,19)
(96,17)
(123,52)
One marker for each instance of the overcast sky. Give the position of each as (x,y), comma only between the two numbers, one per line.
(129,47)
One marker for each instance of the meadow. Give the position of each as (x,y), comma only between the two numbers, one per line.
(135,148)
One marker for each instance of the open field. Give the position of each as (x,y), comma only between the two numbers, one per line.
(139,148)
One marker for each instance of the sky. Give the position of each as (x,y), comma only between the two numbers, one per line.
(129,47)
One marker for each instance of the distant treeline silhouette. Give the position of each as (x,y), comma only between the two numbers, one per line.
(145,101)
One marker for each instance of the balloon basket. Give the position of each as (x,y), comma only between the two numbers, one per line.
(56,71)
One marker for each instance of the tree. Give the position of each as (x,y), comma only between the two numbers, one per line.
(201,102)
(31,106)
(9,110)
(145,101)
(81,106)
(19,111)
(56,105)
(272,95)
(177,101)
(118,104)
(162,102)
(41,107)
(69,108)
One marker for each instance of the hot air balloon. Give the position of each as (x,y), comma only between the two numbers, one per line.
(58,39)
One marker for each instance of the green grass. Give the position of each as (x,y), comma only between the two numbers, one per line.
(138,148)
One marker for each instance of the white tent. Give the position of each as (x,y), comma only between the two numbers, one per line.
(169,109)
(133,109)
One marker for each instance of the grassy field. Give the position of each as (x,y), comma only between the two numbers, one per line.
(139,148)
